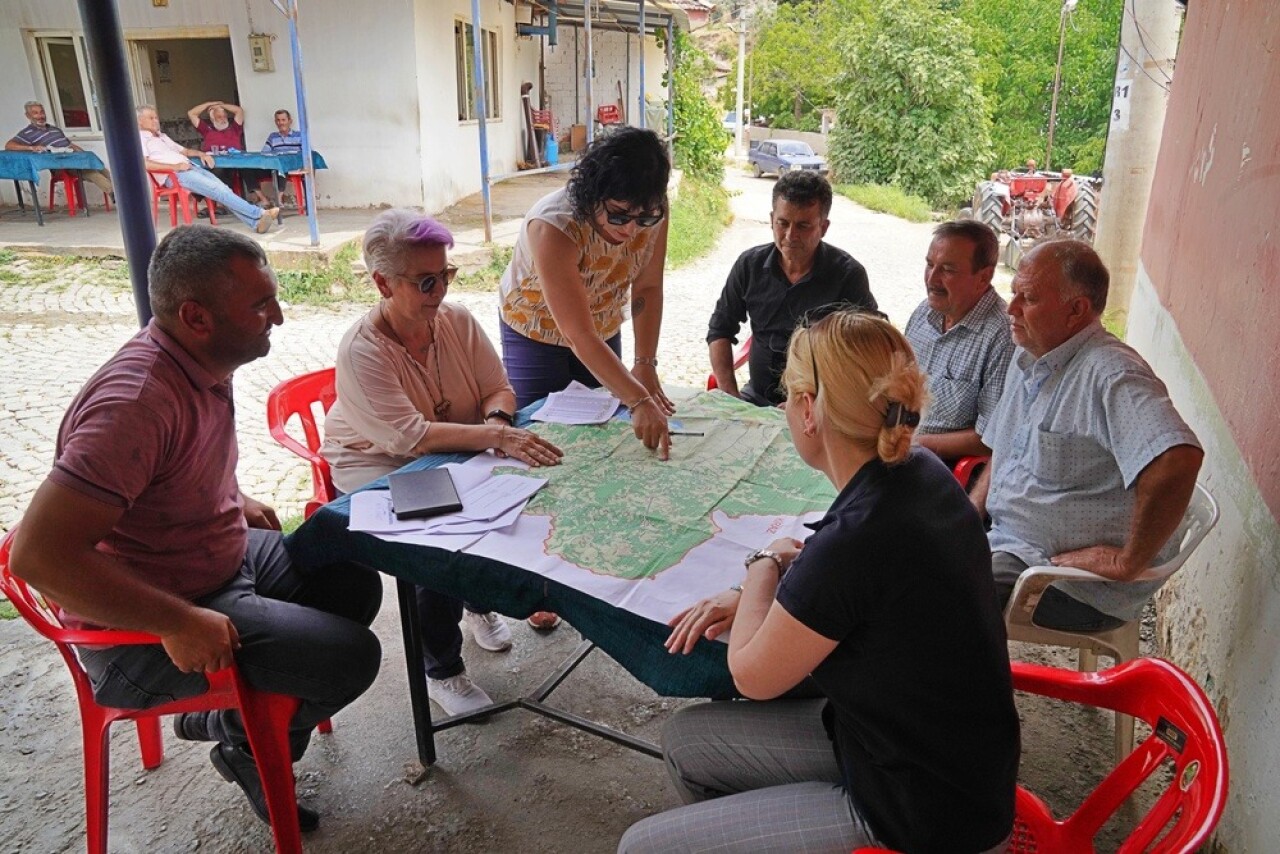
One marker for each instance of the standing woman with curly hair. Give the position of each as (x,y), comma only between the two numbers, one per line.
(890,606)
(589,256)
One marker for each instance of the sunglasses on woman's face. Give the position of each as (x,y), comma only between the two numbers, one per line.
(646,220)
(427,283)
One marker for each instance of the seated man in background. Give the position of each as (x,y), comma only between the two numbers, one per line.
(1091,466)
(960,334)
(163,154)
(222,129)
(141,525)
(779,284)
(39,136)
(283,140)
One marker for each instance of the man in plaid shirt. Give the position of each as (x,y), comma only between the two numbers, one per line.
(961,337)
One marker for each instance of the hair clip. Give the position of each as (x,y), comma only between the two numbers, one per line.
(898,414)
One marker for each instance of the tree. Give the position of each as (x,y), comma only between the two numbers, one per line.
(793,75)
(910,110)
(699,142)
(1018,43)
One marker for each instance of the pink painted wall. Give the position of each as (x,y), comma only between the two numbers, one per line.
(1211,239)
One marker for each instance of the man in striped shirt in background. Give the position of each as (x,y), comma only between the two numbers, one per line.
(40,136)
(283,140)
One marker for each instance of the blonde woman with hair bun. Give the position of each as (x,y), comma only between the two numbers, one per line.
(888,608)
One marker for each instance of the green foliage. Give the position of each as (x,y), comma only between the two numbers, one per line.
(486,278)
(1018,40)
(698,214)
(910,112)
(888,199)
(325,283)
(699,142)
(792,73)
(7,256)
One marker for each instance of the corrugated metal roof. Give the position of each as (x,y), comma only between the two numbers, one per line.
(615,14)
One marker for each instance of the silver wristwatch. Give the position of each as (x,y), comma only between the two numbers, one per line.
(765,553)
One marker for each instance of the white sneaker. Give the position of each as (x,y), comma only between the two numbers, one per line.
(490,631)
(458,694)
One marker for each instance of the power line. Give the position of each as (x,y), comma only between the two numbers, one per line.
(1163,86)
(1130,8)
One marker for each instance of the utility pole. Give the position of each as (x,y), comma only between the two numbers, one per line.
(741,14)
(1068,6)
(1144,75)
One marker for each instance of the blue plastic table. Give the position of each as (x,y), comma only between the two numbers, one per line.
(20,166)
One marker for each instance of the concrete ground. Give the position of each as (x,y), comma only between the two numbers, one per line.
(517,782)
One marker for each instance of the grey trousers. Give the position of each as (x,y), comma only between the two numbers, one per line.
(757,777)
(303,632)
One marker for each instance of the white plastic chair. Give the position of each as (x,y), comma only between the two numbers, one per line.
(1121,643)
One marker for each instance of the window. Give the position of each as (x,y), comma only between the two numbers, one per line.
(73,104)
(464,54)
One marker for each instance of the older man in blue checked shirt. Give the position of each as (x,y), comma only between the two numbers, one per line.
(1091,465)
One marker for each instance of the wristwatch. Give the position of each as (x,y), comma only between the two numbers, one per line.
(498,413)
(765,553)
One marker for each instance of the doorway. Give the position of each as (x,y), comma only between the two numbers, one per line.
(176,74)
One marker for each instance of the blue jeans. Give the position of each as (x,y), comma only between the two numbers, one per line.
(303,632)
(536,369)
(200,180)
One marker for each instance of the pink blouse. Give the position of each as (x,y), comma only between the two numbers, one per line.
(387,400)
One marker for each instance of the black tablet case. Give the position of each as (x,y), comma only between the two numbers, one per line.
(421,494)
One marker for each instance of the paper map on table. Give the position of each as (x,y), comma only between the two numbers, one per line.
(653,537)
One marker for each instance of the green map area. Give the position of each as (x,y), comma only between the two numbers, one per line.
(617,510)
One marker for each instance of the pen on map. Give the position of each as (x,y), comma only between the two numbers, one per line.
(686,433)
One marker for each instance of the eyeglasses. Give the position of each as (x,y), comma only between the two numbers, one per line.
(427,283)
(647,220)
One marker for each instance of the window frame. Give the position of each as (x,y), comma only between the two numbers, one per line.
(40,41)
(464,70)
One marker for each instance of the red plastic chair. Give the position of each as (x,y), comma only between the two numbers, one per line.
(179,198)
(1184,758)
(70,188)
(266,718)
(967,468)
(297,180)
(739,359)
(295,398)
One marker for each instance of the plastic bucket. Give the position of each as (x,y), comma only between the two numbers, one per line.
(553,150)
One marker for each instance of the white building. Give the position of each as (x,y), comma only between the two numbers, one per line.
(387,81)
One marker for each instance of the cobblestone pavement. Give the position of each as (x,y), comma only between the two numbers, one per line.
(56,334)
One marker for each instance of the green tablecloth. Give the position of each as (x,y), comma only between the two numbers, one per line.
(633,641)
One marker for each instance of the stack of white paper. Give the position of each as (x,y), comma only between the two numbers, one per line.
(578,404)
(489,503)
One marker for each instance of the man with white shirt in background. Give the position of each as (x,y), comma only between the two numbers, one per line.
(163,154)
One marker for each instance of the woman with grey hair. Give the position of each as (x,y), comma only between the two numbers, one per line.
(416,375)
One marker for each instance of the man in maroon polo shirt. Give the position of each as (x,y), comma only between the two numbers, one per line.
(141,524)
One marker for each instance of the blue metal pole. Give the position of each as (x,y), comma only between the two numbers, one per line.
(644,118)
(107,56)
(304,125)
(589,74)
(477,85)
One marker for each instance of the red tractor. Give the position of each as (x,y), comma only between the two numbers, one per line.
(1033,206)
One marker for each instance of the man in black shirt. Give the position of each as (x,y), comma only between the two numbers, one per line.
(798,277)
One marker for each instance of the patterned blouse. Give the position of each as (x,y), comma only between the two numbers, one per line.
(607,271)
